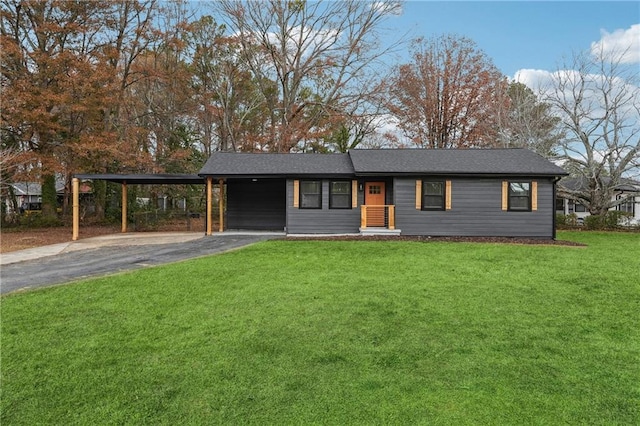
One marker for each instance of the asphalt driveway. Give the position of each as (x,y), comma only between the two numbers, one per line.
(94,260)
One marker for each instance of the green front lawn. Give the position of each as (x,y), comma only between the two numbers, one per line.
(335,332)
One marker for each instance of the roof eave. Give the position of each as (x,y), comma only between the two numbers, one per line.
(141,179)
(464,174)
(278,175)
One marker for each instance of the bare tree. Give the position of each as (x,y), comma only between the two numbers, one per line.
(165,93)
(450,96)
(598,98)
(312,61)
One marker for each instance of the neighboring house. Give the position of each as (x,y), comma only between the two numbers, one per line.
(29,193)
(628,189)
(498,192)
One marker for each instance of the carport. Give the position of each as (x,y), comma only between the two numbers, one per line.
(149,179)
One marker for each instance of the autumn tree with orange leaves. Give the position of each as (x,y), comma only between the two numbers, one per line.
(450,95)
(72,77)
(53,87)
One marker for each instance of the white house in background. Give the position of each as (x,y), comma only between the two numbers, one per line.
(629,189)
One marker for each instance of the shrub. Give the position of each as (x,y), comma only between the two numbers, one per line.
(625,219)
(610,220)
(594,221)
(567,221)
(41,221)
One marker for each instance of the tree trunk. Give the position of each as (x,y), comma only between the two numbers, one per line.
(49,196)
(100,198)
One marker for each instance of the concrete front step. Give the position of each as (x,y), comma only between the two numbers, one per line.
(379,231)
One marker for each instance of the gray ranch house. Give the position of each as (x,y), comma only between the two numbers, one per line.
(471,192)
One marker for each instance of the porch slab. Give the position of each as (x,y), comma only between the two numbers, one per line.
(322,235)
(379,231)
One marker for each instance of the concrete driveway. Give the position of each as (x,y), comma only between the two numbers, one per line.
(97,256)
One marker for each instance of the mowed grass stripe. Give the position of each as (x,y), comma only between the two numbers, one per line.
(320,332)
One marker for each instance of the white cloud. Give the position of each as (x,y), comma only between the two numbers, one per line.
(625,42)
(546,83)
(303,40)
(536,80)
(620,42)
(391,8)
(593,88)
(386,123)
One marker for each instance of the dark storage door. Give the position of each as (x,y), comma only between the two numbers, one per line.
(256,204)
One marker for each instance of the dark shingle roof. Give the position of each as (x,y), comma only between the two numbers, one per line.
(231,164)
(383,162)
(453,161)
(33,188)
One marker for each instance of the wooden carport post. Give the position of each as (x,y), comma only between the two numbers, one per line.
(75,188)
(221,204)
(124,206)
(209,205)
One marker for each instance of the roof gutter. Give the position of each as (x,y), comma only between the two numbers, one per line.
(461,174)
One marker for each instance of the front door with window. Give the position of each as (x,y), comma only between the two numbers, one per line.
(374,198)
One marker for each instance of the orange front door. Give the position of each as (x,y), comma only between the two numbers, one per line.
(374,198)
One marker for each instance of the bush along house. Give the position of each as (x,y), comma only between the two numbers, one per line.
(472,192)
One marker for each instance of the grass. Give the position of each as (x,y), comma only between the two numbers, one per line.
(303,332)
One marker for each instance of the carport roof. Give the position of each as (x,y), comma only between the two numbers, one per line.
(145,179)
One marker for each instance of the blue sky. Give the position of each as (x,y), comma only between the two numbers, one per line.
(521,34)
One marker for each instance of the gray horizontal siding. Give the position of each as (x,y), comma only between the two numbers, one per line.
(476,211)
(320,221)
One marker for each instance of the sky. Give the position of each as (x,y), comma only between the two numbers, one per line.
(524,35)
